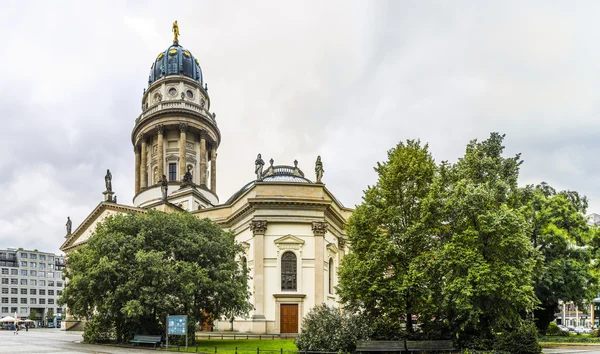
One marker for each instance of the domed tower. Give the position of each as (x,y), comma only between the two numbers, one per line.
(176,133)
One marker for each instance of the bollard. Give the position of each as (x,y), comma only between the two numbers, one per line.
(257,350)
(178,347)
(281,350)
(235,350)
(259,337)
(234,336)
(215,350)
(196,347)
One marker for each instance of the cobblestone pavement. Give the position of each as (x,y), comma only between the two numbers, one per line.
(51,341)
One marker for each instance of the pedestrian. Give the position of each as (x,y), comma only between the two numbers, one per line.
(26,327)
(17,329)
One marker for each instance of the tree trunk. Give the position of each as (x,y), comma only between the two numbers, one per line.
(544,316)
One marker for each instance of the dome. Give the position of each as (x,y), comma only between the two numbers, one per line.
(175,60)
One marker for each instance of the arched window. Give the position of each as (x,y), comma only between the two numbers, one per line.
(288,271)
(331,275)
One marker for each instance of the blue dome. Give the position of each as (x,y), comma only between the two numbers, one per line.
(176,60)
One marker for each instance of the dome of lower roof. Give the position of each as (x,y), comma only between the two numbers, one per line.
(175,60)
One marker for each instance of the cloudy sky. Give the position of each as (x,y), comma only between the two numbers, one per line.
(346,80)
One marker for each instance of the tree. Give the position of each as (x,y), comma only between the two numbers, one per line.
(389,236)
(50,315)
(561,235)
(486,261)
(137,268)
(33,315)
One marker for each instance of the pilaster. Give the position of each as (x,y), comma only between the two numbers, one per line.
(161,156)
(182,149)
(136,149)
(213,169)
(319,229)
(203,158)
(143,163)
(259,228)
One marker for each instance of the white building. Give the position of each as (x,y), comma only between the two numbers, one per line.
(292,228)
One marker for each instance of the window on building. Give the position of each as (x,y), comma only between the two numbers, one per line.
(59,310)
(50,283)
(23,309)
(58,275)
(23,263)
(41,273)
(5,300)
(23,281)
(50,274)
(14,281)
(4,290)
(50,266)
(42,265)
(42,302)
(5,310)
(33,264)
(42,283)
(13,309)
(23,291)
(42,257)
(23,272)
(33,273)
(50,258)
(32,256)
(5,271)
(331,275)
(172,172)
(50,301)
(51,292)
(33,282)
(4,280)
(288,271)
(14,291)
(42,291)
(23,255)
(59,283)
(14,300)
(14,272)
(23,300)
(33,301)
(32,291)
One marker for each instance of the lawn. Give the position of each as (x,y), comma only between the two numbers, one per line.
(244,346)
(579,339)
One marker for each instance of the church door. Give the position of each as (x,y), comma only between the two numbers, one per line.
(289,318)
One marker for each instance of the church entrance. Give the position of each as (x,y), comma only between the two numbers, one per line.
(289,318)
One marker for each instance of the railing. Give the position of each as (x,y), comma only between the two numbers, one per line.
(246,336)
(175,104)
(282,170)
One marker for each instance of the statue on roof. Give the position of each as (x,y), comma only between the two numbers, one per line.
(319,169)
(69,225)
(108,181)
(258,166)
(175,32)
(187,177)
(164,187)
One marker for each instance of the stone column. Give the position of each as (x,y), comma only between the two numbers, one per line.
(259,227)
(319,228)
(182,149)
(144,161)
(213,169)
(161,156)
(203,158)
(136,149)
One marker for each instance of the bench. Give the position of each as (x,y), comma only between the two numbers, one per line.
(403,346)
(138,338)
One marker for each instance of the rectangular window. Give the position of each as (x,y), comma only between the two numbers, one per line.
(33,301)
(32,256)
(42,257)
(23,291)
(23,300)
(23,309)
(4,280)
(14,281)
(14,290)
(32,264)
(23,263)
(59,283)
(50,283)
(41,273)
(173,172)
(42,292)
(23,255)
(23,273)
(33,282)
(42,265)
(50,266)
(50,301)
(23,281)
(33,273)
(5,300)
(14,272)
(42,301)
(42,283)
(13,309)
(4,290)
(51,292)
(5,271)
(50,274)
(32,291)
(50,258)
(59,310)
(5,310)
(14,300)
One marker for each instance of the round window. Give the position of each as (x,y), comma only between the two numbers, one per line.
(172,91)
(190,94)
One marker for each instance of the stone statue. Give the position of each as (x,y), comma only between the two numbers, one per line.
(319,169)
(108,181)
(258,166)
(296,169)
(175,32)
(164,186)
(69,225)
(187,177)
(115,199)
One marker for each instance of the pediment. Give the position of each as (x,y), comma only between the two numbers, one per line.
(289,240)
(332,248)
(172,157)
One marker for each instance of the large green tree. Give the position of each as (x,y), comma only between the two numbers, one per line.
(137,268)
(561,236)
(389,236)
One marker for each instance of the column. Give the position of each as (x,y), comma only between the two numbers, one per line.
(319,228)
(203,158)
(161,156)
(182,149)
(213,169)
(136,149)
(144,161)
(259,227)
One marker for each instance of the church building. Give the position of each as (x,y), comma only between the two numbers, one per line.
(292,227)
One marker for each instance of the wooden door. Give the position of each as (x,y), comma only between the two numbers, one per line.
(289,318)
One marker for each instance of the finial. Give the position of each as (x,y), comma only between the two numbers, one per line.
(205,87)
(296,163)
(175,33)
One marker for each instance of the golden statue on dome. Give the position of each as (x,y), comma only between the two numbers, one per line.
(175,32)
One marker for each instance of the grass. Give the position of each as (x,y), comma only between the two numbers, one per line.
(244,346)
(572,339)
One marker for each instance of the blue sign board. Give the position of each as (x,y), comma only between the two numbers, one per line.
(177,325)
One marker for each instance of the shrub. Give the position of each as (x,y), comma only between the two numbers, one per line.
(97,331)
(553,330)
(523,340)
(326,329)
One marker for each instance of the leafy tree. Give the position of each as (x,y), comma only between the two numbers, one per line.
(389,237)
(50,315)
(327,329)
(560,234)
(137,268)
(486,262)
(33,314)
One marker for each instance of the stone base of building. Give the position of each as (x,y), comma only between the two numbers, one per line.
(252,326)
(72,325)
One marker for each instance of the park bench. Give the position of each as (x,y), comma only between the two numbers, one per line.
(139,338)
(403,346)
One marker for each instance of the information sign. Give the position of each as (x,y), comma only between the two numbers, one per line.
(177,325)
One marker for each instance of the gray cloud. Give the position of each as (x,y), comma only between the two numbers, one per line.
(344,80)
